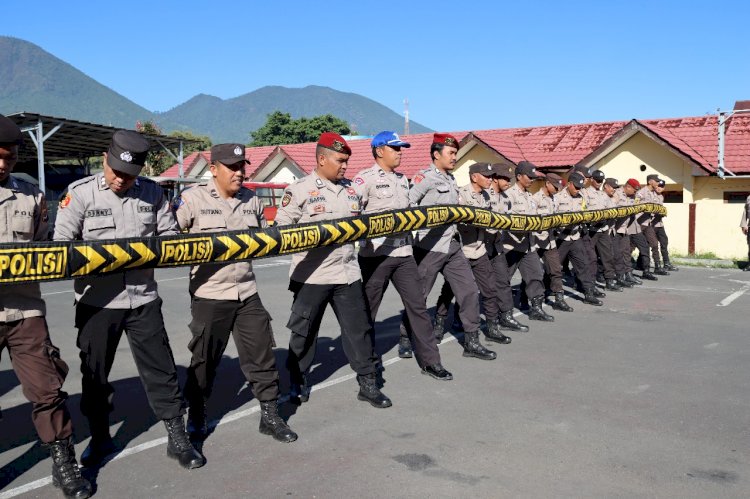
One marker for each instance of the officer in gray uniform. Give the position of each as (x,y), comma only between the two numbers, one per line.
(744,227)
(661,233)
(600,248)
(117,203)
(474,246)
(438,250)
(569,241)
(617,233)
(328,274)
(646,194)
(625,196)
(23,328)
(637,231)
(545,205)
(224,297)
(499,202)
(391,258)
(520,247)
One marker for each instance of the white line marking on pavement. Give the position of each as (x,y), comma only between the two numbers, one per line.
(259,266)
(729,299)
(129,451)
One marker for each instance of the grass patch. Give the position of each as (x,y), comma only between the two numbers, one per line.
(709,255)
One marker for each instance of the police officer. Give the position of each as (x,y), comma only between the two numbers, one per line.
(390,258)
(545,205)
(117,203)
(328,274)
(661,233)
(626,197)
(600,248)
(438,250)
(520,247)
(499,202)
(224,297)
(617,233)
(638,237)
(744,227)
(23,328)
(646,194)
(474,246)
(569,243)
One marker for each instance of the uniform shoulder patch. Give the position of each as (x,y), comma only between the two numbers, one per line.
(286,199)
(177,202)
(359,180)
(64,201)
(418,178)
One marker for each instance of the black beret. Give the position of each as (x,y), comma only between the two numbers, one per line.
(526,168)
(9,132)
(483,168)
(577,180)
(582,169)
(598,175)
(127,152)
(653,176)
(228,154)
(503,171)
(612,182)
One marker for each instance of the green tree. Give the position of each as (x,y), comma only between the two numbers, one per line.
(280,129)
(202,142)
(157,158)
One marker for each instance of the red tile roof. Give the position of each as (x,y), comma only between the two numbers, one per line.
(188,162)
(256,156)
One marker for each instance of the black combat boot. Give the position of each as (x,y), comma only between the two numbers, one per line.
(439,328)
(659,270)
(179,446)
(510,323)
(622,280)
(613,285)
(66,475)
(590,298)
(493,333)
(272,424)
(438,372)
(560,303)
(536,312)
(404,348)
(197,422)
(647,275)
(473,348)
(668,266)
(101,444)
(369,392)
(300,389)
(600,278)
(597,293)
(634,279)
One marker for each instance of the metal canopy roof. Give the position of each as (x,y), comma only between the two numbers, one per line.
(75,139)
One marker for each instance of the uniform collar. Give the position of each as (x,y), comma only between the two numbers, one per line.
(442,174)
(101,182)
(320,182)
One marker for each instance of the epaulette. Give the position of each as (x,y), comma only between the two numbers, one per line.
(82,181)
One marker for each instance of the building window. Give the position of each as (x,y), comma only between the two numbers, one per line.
(736,197)
(672,196)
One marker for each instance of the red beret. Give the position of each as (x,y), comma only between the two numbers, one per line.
(446,139)
(634,183)
(335,142)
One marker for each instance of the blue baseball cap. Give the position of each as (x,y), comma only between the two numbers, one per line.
(388,138)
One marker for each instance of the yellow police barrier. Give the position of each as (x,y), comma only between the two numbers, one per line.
(50,261)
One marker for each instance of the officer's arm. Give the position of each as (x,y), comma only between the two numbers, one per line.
(183,212)
(362,189)
(41,218)
(260,212)
(418,190)
(69,220)
(290,210)
(166,225)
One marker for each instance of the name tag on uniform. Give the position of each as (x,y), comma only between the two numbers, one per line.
(146,208)
(104,212)
(208,211)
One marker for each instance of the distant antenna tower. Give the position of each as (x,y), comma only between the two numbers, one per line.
(406,116)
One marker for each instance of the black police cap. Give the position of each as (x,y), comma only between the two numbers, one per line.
(127,152)
(9,132)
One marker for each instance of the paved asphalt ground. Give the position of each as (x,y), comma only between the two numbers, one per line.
(644,397)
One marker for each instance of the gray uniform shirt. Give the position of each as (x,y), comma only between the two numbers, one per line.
(658,219)
(93,212)
(473,239)
(564,202)
(597,200)
(314,199)
(432,187)
(545,205)
(520,202)
(23,218)
(629,225)
(202,210)
(380,190)
(645,195)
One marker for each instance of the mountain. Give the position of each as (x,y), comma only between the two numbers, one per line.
(233,119)
(36,81)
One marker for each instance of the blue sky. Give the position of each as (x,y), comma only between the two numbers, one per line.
(462,65)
